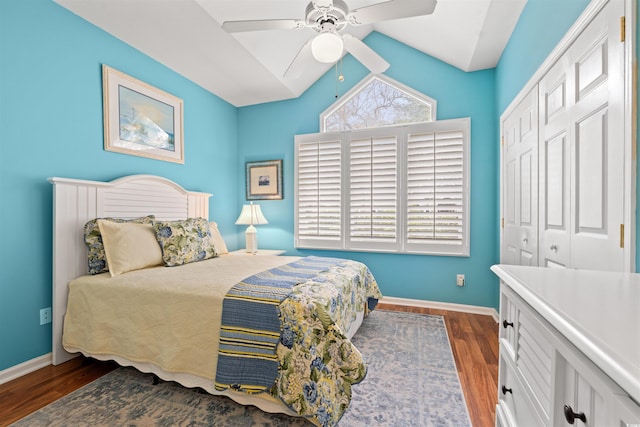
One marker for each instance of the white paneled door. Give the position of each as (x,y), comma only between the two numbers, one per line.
(520,183)
(555,167)
(582,150)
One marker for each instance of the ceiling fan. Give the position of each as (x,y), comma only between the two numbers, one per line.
(328,18)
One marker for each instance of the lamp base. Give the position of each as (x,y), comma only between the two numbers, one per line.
(251,240)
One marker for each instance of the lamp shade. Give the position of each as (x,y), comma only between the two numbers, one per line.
(251,215)
(327,47)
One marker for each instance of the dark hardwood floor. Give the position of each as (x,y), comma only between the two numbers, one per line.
(473,337)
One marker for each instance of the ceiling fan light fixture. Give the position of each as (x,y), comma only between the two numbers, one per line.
(327,47)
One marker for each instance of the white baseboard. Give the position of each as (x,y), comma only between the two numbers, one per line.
(474,309)
(25,367)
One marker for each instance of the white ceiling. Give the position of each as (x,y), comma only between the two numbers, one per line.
(247,68)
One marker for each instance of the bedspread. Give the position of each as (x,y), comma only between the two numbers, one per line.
(299,350)
(250,329)
(170,317)
(166,316)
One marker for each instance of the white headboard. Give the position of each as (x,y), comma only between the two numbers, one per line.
(77,201)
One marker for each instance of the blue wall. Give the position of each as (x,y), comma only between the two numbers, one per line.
(51,125)
(541,26)
(267,132)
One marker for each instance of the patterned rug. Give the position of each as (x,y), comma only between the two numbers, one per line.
(411,381)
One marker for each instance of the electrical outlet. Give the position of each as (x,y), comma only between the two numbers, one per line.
(460,279)
(45,316)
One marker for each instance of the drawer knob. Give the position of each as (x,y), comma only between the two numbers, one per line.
(571,416)
(506,390)
(506,324)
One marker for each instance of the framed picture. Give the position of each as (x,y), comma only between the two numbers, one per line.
(264,180)
(140,119)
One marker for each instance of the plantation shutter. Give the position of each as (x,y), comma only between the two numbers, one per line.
(373,188)
(436,186)
(318,191)
(401,189)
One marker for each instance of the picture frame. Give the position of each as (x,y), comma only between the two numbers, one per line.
(141,120)
(264,180)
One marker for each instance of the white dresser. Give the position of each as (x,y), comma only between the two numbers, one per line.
(569,347)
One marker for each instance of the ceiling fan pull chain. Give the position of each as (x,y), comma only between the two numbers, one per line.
(337,79)
(339,76)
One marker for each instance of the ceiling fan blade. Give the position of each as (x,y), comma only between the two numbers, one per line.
(390,10)
(262,25)
(298,64)
(363,53)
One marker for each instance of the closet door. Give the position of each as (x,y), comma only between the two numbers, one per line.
(555,135)
(582,150)
(520,183)
(596,60)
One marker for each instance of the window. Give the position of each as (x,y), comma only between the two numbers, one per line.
(394,189)
(436,188)
(378,101)
(373,188)
(319,189)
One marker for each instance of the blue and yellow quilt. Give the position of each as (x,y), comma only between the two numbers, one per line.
(283,332)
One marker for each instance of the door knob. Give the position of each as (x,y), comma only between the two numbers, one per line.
(554,248)
(572,416)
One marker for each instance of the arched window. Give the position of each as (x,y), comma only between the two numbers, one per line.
(378,101)
(383,175)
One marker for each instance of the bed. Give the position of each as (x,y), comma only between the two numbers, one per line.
(178,322)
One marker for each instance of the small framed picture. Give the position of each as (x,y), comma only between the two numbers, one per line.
(264,180)
(141,120)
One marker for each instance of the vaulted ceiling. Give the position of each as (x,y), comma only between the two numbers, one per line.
(247,68)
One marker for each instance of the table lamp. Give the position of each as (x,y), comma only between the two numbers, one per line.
(250,215)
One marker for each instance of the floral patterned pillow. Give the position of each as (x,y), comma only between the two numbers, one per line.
(185,241)
(93,239)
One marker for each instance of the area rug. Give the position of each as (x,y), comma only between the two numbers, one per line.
(411,381)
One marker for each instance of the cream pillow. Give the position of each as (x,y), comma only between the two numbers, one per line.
(93,239)
(218,241)
(129,246)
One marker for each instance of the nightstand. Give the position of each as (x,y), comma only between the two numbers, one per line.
(274,252)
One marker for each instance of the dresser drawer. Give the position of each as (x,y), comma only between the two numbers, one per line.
(528,342)
(514,402)
(534,359)
(508,320)
(585,395)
